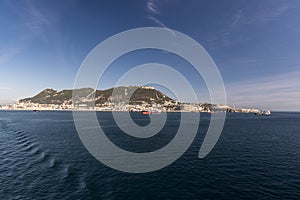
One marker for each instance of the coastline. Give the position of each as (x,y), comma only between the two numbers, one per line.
(97,110)
(91,110)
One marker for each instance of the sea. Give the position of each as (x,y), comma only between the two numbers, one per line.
(256,157)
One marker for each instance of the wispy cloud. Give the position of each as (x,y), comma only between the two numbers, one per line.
(269,12)
(223,37)
(153,10)
(33,22)
(280,92)
(152,6)
(7,54)
(36,22)
(262,14)
(157,21)
(31,25)
(4,88)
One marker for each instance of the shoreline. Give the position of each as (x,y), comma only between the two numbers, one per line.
(95,110)
(90,110)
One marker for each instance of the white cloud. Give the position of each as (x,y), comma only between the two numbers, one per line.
(280,92)
(152,6)
(157,21)
(4,88)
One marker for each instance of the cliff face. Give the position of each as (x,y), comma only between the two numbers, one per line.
(121,94)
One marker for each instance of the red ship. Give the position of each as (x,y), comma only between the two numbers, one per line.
(147,112)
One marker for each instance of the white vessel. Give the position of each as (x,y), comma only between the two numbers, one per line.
(264,112)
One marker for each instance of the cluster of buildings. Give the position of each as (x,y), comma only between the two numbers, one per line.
(167,106)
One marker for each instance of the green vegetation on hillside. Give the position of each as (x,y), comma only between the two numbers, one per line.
(121,94)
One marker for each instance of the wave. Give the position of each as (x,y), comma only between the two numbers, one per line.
(65,172)
(32,146)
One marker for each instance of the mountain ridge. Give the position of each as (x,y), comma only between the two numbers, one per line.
(140,94)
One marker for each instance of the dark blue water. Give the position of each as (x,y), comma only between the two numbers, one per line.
(256,157)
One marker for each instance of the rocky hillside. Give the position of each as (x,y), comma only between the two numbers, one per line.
(139,96)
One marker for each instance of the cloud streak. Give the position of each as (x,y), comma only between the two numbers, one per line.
(36,22)
(152,6)
(153,10)
(7,54)
(157,21)
(262,14)
(280,92)
(268,13)
(31,24)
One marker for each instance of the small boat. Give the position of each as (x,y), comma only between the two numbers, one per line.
(36,110)
(264,112)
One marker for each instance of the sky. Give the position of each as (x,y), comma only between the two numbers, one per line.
(255,45)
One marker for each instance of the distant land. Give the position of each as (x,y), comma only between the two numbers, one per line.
(140,95)
(124,98)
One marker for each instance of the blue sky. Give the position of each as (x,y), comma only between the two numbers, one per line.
(255,44)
